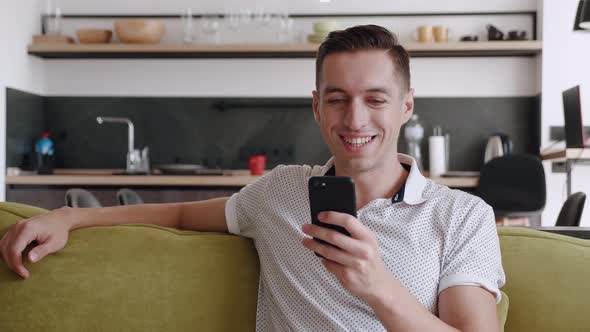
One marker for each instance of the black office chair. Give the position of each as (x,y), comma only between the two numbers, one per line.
(514,186)
(571,211)
(128,197)
(80,198)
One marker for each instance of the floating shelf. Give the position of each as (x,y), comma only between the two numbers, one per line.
(156,51)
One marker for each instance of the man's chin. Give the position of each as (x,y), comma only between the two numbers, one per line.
(357,165)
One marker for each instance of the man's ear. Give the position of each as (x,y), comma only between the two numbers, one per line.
(408,107)
(315,106)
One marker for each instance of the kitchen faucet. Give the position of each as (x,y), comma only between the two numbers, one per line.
(137,162)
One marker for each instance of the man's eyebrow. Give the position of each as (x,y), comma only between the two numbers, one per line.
(330,89)
(379,90)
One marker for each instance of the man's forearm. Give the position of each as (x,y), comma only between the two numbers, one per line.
(399,310)
(205,215)
(157,214)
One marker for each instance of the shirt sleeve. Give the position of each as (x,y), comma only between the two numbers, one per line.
(242,207)
(472,252)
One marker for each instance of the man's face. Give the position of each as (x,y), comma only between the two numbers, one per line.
(360,107)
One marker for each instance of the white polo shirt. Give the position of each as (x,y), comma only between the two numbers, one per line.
(434,239)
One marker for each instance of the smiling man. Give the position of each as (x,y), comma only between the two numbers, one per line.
(420,256)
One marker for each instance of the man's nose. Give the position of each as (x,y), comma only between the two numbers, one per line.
(356,116)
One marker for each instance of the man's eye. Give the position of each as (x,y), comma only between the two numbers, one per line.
(336,101)
(377,101)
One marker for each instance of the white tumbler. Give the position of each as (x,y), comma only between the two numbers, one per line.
(437,153)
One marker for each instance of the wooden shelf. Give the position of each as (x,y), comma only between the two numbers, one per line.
(575,154)
(126,51)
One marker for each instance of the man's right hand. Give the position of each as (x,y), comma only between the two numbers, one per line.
(50,230)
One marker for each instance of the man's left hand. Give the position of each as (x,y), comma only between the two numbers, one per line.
(357,261)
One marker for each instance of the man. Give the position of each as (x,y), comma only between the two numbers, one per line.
(420,257)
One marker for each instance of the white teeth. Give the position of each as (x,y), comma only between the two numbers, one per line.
(357,140)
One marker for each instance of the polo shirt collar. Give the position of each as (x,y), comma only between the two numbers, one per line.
(412,189)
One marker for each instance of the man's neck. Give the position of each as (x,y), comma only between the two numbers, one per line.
(382,182)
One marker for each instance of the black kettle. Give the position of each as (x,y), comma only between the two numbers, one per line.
(498,145)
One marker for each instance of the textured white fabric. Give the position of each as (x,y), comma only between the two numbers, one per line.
(436,238)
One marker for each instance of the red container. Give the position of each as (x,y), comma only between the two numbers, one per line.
(257,164)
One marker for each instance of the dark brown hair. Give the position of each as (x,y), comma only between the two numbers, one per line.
(365,37)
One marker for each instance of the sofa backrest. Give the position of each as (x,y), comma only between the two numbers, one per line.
(146,278)
(547,280)
(151,278)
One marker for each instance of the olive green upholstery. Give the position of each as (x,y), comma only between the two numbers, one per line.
(149,278)
(132,278)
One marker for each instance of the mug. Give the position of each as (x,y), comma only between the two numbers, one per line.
(424,34)
(257,164)
(517,35)
(441,34)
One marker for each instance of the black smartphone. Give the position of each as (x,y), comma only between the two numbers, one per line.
(331,193)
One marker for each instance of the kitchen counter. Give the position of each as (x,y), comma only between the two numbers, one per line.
(105,177)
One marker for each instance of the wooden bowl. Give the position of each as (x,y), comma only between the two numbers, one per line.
(94,36)
(140,31)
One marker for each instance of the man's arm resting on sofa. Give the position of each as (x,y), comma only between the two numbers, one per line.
(203,216)
(50,230)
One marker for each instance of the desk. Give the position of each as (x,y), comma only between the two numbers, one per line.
(570,156)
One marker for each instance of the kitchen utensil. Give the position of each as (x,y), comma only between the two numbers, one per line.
(140,31)
(257,164)
(437,153)
(494,33)
(498,145)
(414,133)
(324,27)
(470,38)
(94,36)
(424,34)
(441,34)
(517,35)
(494,148)
(187,26)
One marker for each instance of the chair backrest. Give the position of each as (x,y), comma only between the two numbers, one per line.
(81,198)
(571,211)
(513,183)
(128,197)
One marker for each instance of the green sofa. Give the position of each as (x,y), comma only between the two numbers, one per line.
(149,278)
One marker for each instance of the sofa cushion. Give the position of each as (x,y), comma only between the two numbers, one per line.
(547,280)
(132,278)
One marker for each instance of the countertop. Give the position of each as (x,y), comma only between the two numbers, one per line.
(105,177)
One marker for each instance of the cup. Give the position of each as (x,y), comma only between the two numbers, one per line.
(257,164)
(424,34)
(517,35)
(187,26)
(441,34)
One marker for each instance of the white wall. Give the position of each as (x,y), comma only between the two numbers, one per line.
(516,76)
(565,64)
(19,20)
(453,77)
